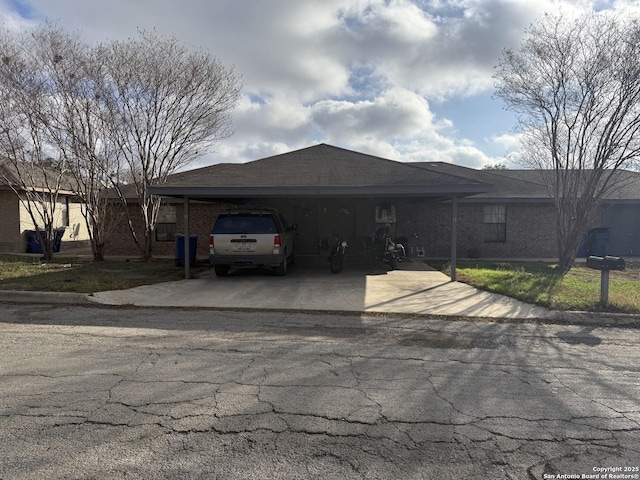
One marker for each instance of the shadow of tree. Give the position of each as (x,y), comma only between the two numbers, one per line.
(374,398)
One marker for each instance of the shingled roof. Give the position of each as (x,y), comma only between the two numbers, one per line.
(325,170)
(530,185)
(505,186)
(320,170)
(34,177)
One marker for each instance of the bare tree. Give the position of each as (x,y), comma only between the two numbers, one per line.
(495,166)
(27,165)
(167,105)
(79,128)
(138,109)
(575,85)
(51,110)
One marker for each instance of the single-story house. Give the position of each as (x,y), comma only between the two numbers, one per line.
(433,206)
(17,225)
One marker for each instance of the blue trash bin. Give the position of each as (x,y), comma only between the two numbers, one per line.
(33,245)
(193,247)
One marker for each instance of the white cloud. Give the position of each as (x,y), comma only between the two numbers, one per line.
(361,74)
(273,117)
(397,113)
(12,20)
(509,141)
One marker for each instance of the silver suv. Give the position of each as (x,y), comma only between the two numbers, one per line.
(251,238)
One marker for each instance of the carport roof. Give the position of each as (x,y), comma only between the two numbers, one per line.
(320,170)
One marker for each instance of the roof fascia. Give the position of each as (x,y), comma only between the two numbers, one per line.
(378,190)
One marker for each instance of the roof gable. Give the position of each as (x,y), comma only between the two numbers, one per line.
(318,170)
(320,165)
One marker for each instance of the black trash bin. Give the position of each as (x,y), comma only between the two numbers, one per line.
(193,246)
(33,245)
(598,241)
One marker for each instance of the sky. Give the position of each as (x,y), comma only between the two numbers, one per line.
(407,80)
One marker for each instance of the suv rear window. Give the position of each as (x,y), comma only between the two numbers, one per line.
(253,224)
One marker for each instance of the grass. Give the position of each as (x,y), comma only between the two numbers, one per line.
(540,283)
(19,272)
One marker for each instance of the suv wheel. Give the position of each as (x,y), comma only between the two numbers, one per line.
(221,270)
(282,268)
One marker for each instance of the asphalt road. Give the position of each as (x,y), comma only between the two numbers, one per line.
(91,392)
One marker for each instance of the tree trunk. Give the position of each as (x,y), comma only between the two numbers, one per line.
(98,251)
(566,261)
(147,254)
(46,241)
(97,243)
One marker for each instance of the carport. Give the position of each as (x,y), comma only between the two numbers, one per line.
(318,173)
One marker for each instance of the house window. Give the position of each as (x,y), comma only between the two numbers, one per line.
(495,223)
(385,213)
(166,224)
(65,212)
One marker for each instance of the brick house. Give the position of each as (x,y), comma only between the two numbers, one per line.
(17,223)
(323,189)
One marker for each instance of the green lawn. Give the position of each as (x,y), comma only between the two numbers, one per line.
(541,284)
(18,272)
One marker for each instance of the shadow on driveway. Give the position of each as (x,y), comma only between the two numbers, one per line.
(415,288)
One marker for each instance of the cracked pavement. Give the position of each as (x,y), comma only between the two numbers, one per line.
(92,392)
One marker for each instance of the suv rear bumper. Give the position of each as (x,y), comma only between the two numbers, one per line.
(246,260)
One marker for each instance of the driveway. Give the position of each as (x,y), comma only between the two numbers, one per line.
(413,289)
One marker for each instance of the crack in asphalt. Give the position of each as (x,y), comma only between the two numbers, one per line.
(384,395)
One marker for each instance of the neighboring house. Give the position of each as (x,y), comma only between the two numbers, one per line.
(17,223)
(323,189)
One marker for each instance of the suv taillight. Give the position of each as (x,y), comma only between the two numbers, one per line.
(276,241)
(211,241)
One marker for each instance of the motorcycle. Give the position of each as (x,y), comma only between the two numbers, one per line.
(386,249)
(337,253)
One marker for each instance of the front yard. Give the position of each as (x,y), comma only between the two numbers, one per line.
(540,284)
(531,282)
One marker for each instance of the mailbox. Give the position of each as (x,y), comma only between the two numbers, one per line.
(614,263)
(597,263)
(605,263)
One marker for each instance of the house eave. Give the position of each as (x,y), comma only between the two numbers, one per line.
(319,191)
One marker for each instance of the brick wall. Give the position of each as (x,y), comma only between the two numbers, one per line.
(426,225)
(10,236)
(201,218)
(530,230)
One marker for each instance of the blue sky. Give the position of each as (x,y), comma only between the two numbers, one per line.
(408,80)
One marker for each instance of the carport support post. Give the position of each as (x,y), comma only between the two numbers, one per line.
(454,236)
(187,257)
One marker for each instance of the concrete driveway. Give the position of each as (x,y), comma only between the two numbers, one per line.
(413,289)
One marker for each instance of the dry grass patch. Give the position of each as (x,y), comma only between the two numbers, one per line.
(83,275)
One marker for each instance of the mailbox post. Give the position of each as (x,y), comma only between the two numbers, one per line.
(605,264)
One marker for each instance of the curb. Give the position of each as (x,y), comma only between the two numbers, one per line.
(9,296)
(595,319)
